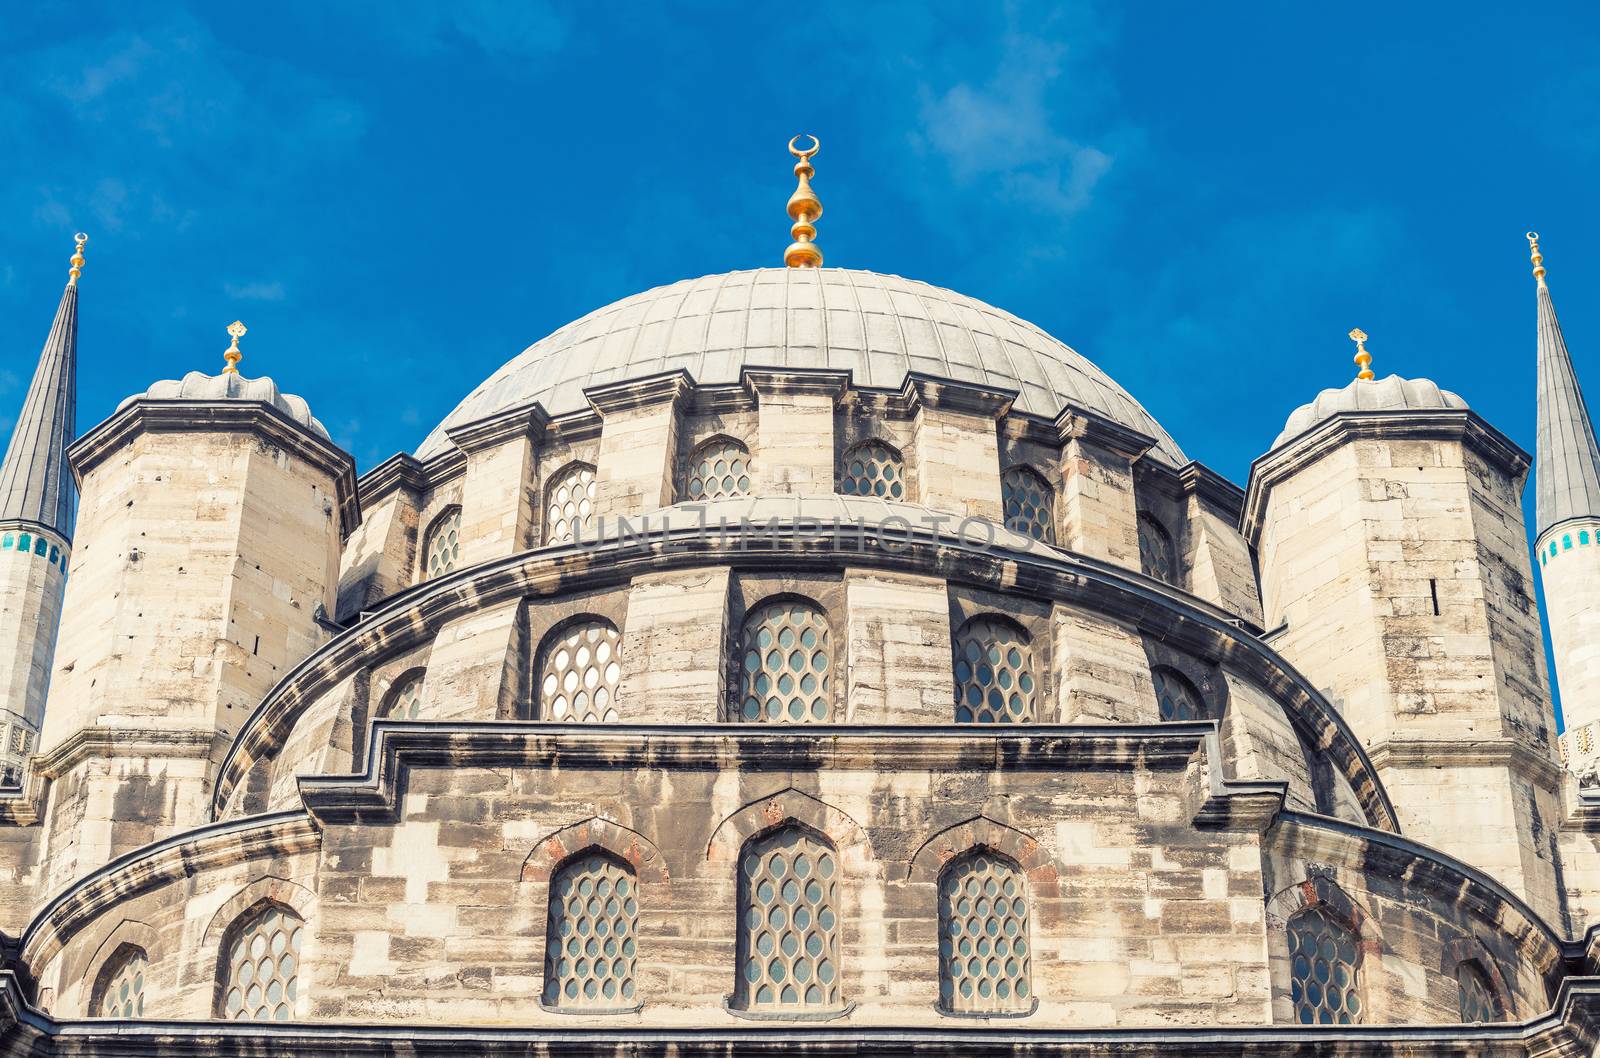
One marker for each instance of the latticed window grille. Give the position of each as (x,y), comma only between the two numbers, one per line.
(590,946)
(784,662)
(719,469)
(1176,696)
(1156,555)
(789,940)
(570,510)
(444,543)
(405,698)
(1477,995)
(263,966)
(995,681)
(1324,968)
(580,668)
(122,984)
(873,469)
(1029,503)
(984,957)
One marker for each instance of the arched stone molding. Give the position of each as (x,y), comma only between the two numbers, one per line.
(981,832)
(780,809)
(1322,892)
(629,846)
(1470,949)
(88,972)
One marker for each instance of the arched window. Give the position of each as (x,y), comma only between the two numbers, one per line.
(405,698)
(1478,999)
(1177,698)
(1325,968)
(784,658)
(873,469)
(569,506)
(995,681)
(1156,555)
(443,544)
(580,668)
(590,943)
(1029,503)
(261,964)
(984,954)
(789,922)
(719,469)
(119,989)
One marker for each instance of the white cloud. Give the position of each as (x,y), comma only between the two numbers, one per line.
(254,291)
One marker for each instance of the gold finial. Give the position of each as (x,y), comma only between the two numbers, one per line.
(1536,257)
(232,354)
(804,208)
(77,260)
(1363,358)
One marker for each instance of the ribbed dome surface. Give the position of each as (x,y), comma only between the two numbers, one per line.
(877,327)
(197,385)
(1380,394)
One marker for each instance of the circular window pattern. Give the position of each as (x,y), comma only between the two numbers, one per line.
(123,994)
(1029,503)
(1324,960)
(872,469)
(783,665)
(983,935)
(718,470)
(580,672)
(1477,996)
(444,543)
(570,511)
(995,683)
(789,943)
(264,967)
(1176,697)
(405,700)
(1155,550)
(590,946)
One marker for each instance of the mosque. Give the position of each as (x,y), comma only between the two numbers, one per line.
(796,657)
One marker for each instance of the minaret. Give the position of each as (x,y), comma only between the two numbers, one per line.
(1567,511)
(36,514)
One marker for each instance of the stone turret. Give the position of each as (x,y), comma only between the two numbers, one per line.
(213,512)
(36,508)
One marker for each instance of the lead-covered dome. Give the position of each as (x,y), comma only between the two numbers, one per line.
(877,327)
(1360,395)
(197,385)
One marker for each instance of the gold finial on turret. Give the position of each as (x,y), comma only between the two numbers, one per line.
(77,260)
(232,354)
(1536,257)
(1363,358)
(804,208)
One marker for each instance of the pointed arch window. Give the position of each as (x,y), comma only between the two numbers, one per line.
(119,988)
(985,958)
(591,943)
(443,543)
(569,506)
(719,469)
(785,663)
(994,673)
(261,965)
(1479,1002)
(1029,503)
(1325,969)
(404,701)
(872,468)
(1157,556)
(580,669)
(1177,698)
(789,923)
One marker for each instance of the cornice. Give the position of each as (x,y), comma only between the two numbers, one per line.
(108,742)
(615,397)
(1525,760)
(525,420)
(927,391)
(783,381)
(1078,424)
(399,471)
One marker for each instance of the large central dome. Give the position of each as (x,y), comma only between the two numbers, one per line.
(877,327)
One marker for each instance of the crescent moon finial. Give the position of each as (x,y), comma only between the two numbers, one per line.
(816,145)
(804,208)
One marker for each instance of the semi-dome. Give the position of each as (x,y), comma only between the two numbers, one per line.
(197,385)
(1384,394)
(878,327)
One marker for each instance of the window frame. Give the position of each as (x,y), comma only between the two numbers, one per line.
(539,709)
(733,699)
(1029,643)
(740,1001)
(111,968)
(1031,1003)
(897,457)
(571,468)
(423,552)
(243,922)
(1051,503)
(570,863)
(685,471)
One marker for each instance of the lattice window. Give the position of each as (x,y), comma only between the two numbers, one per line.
(995,681)
(719,469)
(590,946)
(1177,698)
(569,512)
(444,543)
(1156,555)
(580,668)
(120,992)
(789,940)
(784,661)
(984,958)
(405,698)
(873,469)
(263,966)
(1325,965)
(1029,503)
(1478,1000)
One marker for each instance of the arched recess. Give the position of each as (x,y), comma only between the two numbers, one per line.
(1470,949)
(268,889)
(1322,893)
(88,970)
(629,846)
(784,807)
(982,832)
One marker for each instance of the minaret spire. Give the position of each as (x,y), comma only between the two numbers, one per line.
(1567,466)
